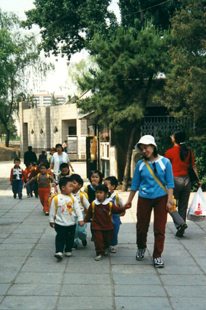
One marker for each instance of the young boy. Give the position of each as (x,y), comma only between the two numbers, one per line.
(27,173)
(63,212)
(43,180)
(82,199)
(17,177)
(112,183)
(65,172)
(100,211)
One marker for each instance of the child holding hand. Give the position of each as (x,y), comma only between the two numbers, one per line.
(62,216)
(100,211)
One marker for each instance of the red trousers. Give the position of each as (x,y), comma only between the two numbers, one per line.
(102,240)
(44,197)
(144,210)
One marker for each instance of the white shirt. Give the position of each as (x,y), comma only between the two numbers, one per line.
(112,199)
(85,201)
(67,211)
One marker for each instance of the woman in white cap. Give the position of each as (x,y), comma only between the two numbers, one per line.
(151,196)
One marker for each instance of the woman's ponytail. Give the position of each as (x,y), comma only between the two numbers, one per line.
(180,137)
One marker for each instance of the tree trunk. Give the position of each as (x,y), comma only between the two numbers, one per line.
(128,160)
(7,137)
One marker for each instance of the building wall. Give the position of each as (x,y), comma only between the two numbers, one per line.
(43,128)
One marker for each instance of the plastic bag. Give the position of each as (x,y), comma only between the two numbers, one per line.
(197,208)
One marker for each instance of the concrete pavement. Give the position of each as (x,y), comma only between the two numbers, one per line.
(31,278)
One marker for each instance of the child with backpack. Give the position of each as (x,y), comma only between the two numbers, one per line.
(100,211)
(82,198)
(17,177)
(43,180)
(111,183)
(62,216)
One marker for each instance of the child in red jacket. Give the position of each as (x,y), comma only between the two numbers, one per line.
(100,211)
(17,178)
(27,172)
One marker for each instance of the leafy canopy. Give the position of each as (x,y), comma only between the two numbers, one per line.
(66,25)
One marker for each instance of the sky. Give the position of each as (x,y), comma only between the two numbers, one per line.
(58,80)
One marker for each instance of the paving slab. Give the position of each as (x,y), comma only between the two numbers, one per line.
(31,278)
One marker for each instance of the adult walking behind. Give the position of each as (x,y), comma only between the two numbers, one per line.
(30,156)
(151,196)
(181,156)
(58,158)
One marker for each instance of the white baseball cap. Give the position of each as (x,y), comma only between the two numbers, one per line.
(147,139)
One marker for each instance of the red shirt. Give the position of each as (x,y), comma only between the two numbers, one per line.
(27,172)
(179,167)
(101,220)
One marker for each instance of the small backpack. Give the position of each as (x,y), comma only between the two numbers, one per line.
(110,209)
(82,194)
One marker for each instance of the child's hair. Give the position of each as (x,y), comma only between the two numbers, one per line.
(63,165)
(112,180)
(42,165)
(17,159)
(63,181)
(28,163)
(34,164)
(77,178)
(102,188)
(99,174)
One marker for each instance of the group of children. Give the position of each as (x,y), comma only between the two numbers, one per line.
(70,208)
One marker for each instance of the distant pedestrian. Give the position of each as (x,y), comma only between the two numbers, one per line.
(53,150)
(17,177)
(58,158)
(62,216)
(64,145)
(27,172)
(180,156)
(100,212)
(151,196)
(42,156)
(30,156)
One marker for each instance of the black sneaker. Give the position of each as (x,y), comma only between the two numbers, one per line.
(158,262)
(20,197)
(181,230)
(14,196)
(140,254)
(84,242)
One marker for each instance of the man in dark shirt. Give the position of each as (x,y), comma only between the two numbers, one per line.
(30,156)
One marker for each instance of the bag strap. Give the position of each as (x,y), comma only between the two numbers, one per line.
(117,200)
(82,194)
(154,176)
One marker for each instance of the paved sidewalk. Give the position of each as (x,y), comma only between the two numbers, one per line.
(31,278)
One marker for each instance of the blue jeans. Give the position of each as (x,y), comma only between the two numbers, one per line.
(80,233)
(116,224)
(17,186)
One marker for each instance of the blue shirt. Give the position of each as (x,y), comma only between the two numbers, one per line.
(146,184)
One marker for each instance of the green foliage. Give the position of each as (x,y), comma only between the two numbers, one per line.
(135,13)
(18,53)
(185,89)
(127,64)
(66,25)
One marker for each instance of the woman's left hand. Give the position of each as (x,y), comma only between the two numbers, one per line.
(199,184)
(169,207)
